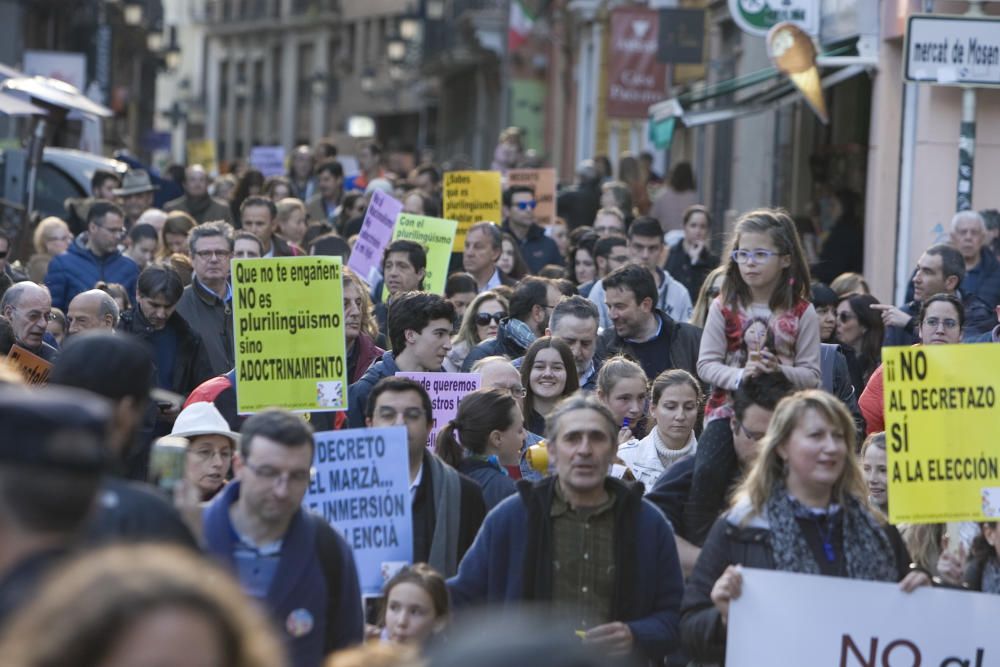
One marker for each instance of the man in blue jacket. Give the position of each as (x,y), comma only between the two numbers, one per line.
(93,257)
(583,541)
(300,569)
(519,210)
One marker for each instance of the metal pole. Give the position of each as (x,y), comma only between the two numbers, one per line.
(966,150)
(906,169)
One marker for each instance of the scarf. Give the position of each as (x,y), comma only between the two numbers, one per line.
(866,547)
(447,515)
(991,576)
(668,456)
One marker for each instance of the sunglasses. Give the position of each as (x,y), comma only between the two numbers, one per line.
(845,317)
(525,205)
(482,319)
(3,254)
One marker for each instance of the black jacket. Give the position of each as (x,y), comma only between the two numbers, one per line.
(212,319)
(689,273)
(192,366)
(703,635)
(472,511)
(684,341)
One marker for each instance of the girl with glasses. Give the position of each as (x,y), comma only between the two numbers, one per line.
(481,321)
(761,322)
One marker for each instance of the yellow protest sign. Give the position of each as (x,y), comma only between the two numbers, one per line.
(288,316)
(543,182)
(202,151)
(470,197)
(941,421)
(437,236)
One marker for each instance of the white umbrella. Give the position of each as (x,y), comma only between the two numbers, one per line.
(55,92)
(15,106)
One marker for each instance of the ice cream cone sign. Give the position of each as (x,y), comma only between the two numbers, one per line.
(793,53)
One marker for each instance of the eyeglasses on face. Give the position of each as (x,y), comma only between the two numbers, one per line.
(525,205)
(845,317)
(273,475)
(482,319)
(934,322)
(210,254)
(759,256)
(114,231)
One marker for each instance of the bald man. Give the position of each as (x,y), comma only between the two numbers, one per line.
(93,309)
(499,373)
(29,308)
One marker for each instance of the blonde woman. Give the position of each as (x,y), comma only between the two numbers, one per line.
(360,329)
(709,290)
(802,508)
(52,237)
(481,321)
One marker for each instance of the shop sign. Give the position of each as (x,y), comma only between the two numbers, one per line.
(756,17)
(953,50)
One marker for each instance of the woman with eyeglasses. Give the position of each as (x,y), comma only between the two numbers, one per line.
(481,321)
(940,322)
(548,373)
(860,330)
(802,508)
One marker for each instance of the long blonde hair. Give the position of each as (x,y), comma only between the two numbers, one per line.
(467,331)
(769,469)
(700,311)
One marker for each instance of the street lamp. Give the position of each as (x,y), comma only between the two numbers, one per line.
(154,41)
(434,10)
(318,85)
(172,57)
(133,12)
(409,29)
(396,50)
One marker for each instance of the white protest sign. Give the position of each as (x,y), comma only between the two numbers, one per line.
(953,50)
(361,487)
(796,619)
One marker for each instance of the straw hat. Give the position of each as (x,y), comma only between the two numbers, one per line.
(202,419)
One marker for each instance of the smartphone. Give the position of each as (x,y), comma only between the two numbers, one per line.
(167,461)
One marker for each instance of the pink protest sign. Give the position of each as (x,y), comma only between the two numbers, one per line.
(375,234)
(446,390)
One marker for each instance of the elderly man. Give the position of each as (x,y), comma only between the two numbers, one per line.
(196,201)
(483,244)
(93,309)
(207,303)
(982,270)
(582,540)
(29,309)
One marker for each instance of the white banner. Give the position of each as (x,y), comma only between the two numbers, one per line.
(797,619)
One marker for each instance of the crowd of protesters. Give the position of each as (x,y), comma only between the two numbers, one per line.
(699,412)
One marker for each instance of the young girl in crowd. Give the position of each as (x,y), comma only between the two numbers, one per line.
(983,571)
(761,322)
(416,605)
(622,385)
(873,465)
(676,395)
(483,439)
(548,373)
(481,321)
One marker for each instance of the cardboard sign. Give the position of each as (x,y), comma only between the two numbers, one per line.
(34,369)
(375,234)
(446,391)
(636,79)
(437,236)
(288,317)
(268,160)
(941,419)
(471,197)
(782,618)
(361,487)
(544,183)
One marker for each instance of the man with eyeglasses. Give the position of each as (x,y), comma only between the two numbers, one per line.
(500,373)
(519,214)
(93,257)
(207,303)
(753,405)
(288,559)
(448,507)
(28,307)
